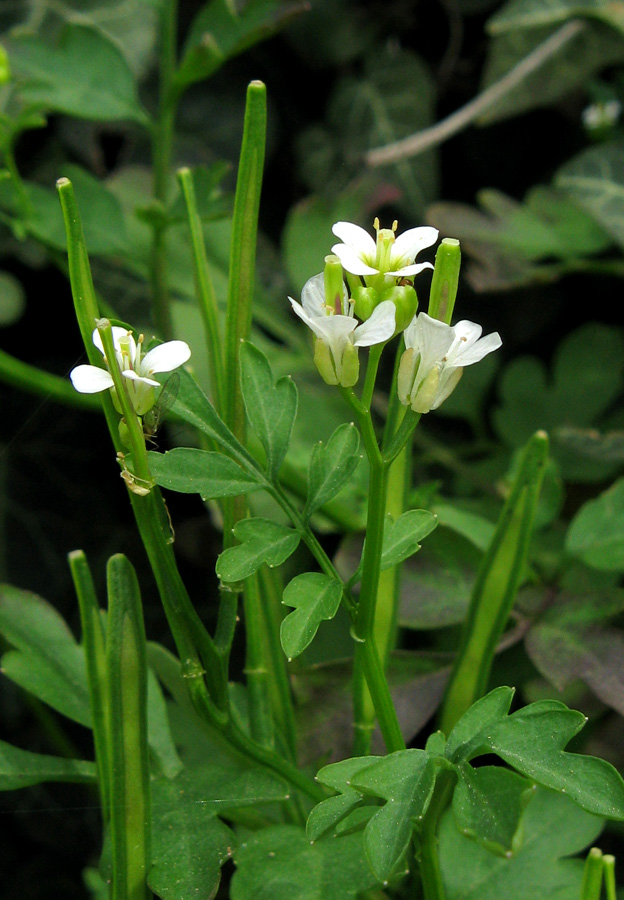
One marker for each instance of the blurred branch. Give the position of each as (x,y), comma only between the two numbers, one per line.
(441,131)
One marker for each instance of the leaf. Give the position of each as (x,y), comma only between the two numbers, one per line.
(315,598)
(596,533)
(262,541)
(436,585)
(271,408)
(572,641)
(219,32)
(607,446)
(401,538)
(594,179)
(531,740)
(66,76)
(467,733)
(189,470)
(159,735)
(328,813)
(488,804)
(578,58)
(20,768)
(585,380)
(405,779)
(553,827)
(331,466)
(518,14)
(46,660)
(280,863)
(189,842)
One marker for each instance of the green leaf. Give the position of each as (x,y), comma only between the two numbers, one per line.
(404,779)
(315,598)
(572,65)
(401,538)
(518,14)
(271,407)
(262,541)
(20,768)
(219,32)
(46,660)
(280,863)
(467,733)
(571,642)
(596,533)
(553,828)
(66,76)
(189,842)
(488,804)
(595,181)
(331,466)
(585,380)
(189,470)
(159,736)
(531,740)
(328,813)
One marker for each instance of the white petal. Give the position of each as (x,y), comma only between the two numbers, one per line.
(334,330)
(313,295)
(379,327)
(481,348)
(118,333)
(131,375)
(429,337)
(165,357)
(352,261)
(90,379)
(408,245)
(356,237)
(414,269)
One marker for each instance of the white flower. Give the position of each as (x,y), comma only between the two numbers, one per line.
(388,255)
(338,331)
(135,367)
(434,358)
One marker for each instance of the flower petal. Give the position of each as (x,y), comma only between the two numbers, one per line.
(429,337)
(131,375)
(313,295)
(408,245)
(90,379)
(356,237)
(481,348)
(165,357)
(118,333)
(352,261)
(378,328)
(408,271)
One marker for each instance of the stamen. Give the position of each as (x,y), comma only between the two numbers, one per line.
(395,224)
(376,224)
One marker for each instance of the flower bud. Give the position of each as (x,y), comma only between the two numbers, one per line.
(366,299)
(405,300)
(445,280)
(323,361)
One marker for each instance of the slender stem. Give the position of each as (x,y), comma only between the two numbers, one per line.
(429,859)
(417,143)
(162,146)
(205,292)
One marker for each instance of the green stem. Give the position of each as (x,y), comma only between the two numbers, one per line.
(34,380)
(205,292)
(162,147)
(429,859)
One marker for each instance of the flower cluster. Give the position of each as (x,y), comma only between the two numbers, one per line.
(135,367)
(380,275)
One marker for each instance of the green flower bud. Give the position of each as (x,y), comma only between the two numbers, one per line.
(366,299)
(350,366)
(324,362)
(124,433)
(445,281)
(406,302)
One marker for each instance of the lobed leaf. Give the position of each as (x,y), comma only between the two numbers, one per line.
(262,541)
(189,470)
(402,537)
(315,598)
(331,466)
(20,768)
(596,533)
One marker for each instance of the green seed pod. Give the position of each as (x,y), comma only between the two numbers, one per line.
(445,280)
